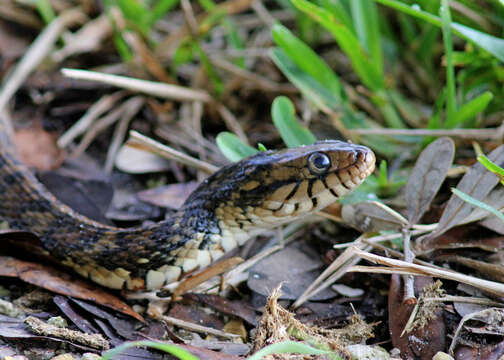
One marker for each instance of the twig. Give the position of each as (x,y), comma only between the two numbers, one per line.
(409,281)
(420,270)
(465,300)
(152,88)
(94,111)
(37,51)
(483,134)
(332,273)
(262,82)
(232,123)
(143,142)
(198,328)
(131,110)
(263,13)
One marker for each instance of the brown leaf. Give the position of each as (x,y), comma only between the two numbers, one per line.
(236,308)
(37,148)
(372,216)
(196,315)
(62,283)
(170,196)
(427,176)
(421,343)
(477,182)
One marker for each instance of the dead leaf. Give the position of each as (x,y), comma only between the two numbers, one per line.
(421,343)
(372,216)
(62,283)
(169,196)
(196,315)
(477,182)
(295,266)
(427,176)
(236,308)
(37,148)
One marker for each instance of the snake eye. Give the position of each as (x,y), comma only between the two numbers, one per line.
(319,163)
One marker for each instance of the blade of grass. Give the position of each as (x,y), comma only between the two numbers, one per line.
(480,204)
(493,167)
(289,347)
(312,89)
(45,10)
(306,59)
(365,16)
(451,101)
(168,348)
(161,8)
(472,108)
(492,44)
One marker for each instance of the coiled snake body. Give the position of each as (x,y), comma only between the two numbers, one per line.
(262,191)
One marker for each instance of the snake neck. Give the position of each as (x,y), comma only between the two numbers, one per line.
(136,258)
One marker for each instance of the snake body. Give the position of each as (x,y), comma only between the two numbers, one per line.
(262,191)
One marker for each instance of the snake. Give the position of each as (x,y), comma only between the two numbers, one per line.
(233,204)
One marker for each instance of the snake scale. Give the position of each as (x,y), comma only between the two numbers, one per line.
(262,191)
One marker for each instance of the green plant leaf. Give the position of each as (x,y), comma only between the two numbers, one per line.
(284,117)
(45,10)
(493,167)
(469,199)
(232,147)
(471,109)
(311,88)
(168,348)
(306,59)
(382,174)
(287,347)
(492,44)
(159,10)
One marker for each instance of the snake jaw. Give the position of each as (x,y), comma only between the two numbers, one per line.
(300,191)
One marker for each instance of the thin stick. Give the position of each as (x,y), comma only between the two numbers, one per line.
(483,134)
(152,88)
(131,110)
(420,270)
(145,143)
(37,51)
(94,111)
(198,328)
(409,281)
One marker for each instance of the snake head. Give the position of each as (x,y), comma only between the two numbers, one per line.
(275,187)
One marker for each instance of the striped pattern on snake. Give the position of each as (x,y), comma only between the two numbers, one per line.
(262,191)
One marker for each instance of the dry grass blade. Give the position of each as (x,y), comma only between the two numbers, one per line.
(405,268)
(145,143)
(478,182)
(198,328)
(427,176)
(97,109)
(152,88)
(472,134)
(37,52)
